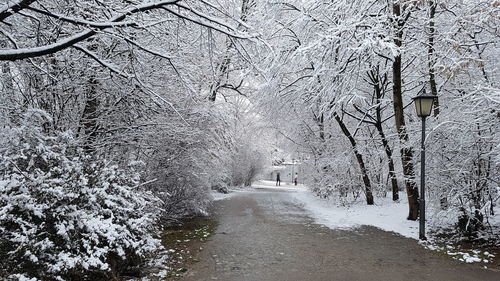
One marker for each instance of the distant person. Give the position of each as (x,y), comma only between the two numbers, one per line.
(295,178)
(278,180)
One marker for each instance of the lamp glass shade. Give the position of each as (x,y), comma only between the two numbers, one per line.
(423,105)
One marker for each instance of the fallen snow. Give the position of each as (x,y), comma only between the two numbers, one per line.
(468,256)
(262,184)
(385,214)
(265,184)
(221,196)
(217,196)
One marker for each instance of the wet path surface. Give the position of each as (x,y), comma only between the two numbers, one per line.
(265,236)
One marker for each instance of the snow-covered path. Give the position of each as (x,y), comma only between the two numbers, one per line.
(266,235)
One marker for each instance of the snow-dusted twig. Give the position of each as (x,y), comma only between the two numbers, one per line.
(145,183)
(210,24)
(107,65)
(83,22)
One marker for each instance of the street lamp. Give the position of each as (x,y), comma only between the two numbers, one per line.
(423,105)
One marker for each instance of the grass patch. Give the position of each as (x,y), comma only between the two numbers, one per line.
(184,241)
(478,250)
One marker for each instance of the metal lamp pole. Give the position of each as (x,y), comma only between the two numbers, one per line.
(422,184)
(423,105)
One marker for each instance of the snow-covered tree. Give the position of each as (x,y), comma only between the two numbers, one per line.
(339,83)
(64,214)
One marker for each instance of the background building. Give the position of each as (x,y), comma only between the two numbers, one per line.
(286,170)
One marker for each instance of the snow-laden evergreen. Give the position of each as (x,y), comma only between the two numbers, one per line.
(64,214)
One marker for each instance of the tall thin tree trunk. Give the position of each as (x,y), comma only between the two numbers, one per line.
(359,158)
(321,124)
(406,152)
(431,58)
(7,81)
(7,97)
(90,115)
(221,72)
(379,94)
(392,173)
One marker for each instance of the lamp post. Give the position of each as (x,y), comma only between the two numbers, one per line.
(423,105)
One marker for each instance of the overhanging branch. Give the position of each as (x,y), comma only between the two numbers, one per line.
(24,53)
(107,65)
(14,7)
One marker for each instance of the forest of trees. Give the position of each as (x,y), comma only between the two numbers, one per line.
(118,117)
(345,72)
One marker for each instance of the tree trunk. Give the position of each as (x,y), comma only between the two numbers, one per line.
(89,118)
(392,173)
(406,152)
(359,158)
(221,72)
(7,97)
(321,124)
(379,87)
(432,59)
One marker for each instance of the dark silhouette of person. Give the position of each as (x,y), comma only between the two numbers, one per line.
(295,178)
(278,181)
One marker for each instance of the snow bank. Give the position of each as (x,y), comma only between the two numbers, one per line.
(266,184)
(386,214)
(217,196)
(221,196)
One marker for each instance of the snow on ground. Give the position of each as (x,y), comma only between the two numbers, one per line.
(221,196)
(468,256)
(265,184)
(217,196)
(385,214)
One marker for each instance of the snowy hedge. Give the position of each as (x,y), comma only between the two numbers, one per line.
(63,216)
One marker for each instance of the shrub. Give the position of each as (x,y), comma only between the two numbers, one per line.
(63,215)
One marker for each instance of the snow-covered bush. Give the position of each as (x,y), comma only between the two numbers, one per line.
(181,162)
(463,175)
(248,162)
(182,184)
(64,215)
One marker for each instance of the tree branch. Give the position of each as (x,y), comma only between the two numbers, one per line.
(13,8)
(17,54)
(107,65)
(82,22)
(209,23)
(24,53)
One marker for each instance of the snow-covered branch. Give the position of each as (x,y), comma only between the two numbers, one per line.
(209,22)
(12,7)
(107,65)
(24,53)
(197,17)
(82,22)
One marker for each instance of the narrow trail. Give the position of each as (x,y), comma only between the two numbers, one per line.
(265,236)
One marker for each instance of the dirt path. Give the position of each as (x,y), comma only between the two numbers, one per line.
(264,236)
